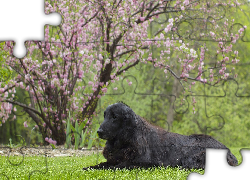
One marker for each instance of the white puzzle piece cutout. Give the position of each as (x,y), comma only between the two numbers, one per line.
(23,20)
(217,168)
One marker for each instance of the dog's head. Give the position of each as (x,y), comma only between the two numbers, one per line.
(118,117)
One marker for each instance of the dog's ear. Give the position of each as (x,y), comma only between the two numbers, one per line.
(129,116)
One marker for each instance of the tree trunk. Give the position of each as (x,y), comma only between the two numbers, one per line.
(91,107)
(60,138)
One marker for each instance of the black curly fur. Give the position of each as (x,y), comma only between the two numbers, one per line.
(123,103)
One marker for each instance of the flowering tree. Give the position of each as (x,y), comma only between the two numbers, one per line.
(97,42)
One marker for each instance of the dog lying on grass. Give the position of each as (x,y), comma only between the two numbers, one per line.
(132,142)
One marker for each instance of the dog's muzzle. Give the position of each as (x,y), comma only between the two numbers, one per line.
(100,133)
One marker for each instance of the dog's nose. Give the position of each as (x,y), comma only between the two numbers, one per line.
(100,132)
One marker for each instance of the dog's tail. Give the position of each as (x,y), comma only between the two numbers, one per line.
(231,159)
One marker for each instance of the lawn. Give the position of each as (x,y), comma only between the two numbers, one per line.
(39,167)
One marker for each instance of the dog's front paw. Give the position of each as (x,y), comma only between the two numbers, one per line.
(99,166)
(91,167)
(87,168)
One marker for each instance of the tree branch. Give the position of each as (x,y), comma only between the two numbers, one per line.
(125,69)
(126,52)
(34,117)
(24,106)
(87,21)
(32,100)
(11,87)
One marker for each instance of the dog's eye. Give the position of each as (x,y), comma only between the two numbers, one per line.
(114,116)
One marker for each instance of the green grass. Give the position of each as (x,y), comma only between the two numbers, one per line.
(39,167)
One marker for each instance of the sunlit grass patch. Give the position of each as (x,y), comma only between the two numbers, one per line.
(39,167)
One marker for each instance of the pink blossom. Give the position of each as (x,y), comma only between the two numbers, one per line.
(186,2)
(50,141)
(142,18)
(25,124)
(104,90)
(91,83)
(226,75)
(100,57)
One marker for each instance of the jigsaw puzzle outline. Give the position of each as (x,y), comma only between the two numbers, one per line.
(153,94)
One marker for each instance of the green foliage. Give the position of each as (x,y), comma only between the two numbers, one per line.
(15,129)
(93,137)
(68,134)
(226,111)
(5,72)
(83,137)
(53,146)
(78,134)
(21,143)
(10,144)
(22,140)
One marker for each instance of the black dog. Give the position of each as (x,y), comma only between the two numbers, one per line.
(133,142)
